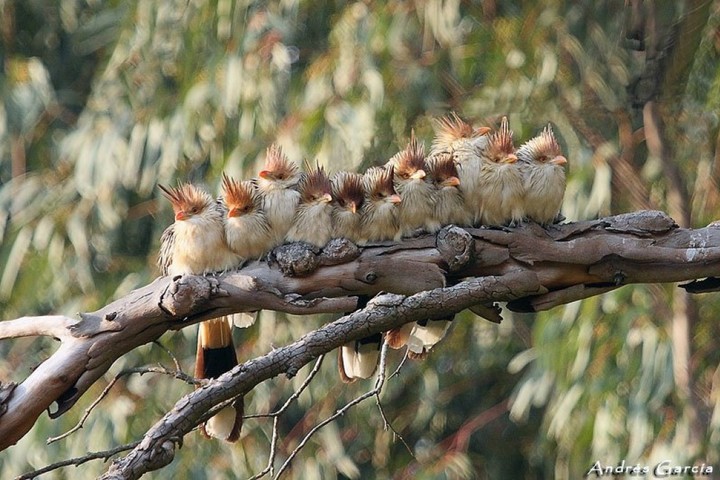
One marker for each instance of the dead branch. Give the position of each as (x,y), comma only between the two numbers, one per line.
(529,267)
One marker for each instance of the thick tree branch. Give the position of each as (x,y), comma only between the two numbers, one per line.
(530,267)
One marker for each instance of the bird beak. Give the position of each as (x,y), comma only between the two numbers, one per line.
(394,198)
(265,174)
(511,158)
(451,182)
(327,198)
(418,175)
(353,207)
(233,212)
(559,160)
(181,215)
(483,131)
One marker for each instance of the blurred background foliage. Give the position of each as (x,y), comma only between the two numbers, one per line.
(103,100)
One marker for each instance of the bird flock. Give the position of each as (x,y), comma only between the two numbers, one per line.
(471,177)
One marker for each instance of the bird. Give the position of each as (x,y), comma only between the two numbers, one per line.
(466,144)
(378,221)
(542,165)
(277,184)
(195,245)
(312,222)
(449,208)
(247,230)
(415,189)
(379,213)
(348,197)
(500,185)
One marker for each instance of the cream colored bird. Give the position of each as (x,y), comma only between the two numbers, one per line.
(278,187)
(312,222)
(195,244)
(542,164)
(467,146)
(348,199)
(359,358)
(415,189)
(449,208)
(380,210)
(247,230)
(500,185)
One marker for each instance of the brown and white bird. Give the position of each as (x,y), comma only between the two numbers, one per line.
(379,219)
(247,230)
(278,187)
(542,164)
(195,244)
(449,208)
(500,186)
(348,198)
(467,146)
(415,189)
(378,222)
(312,222)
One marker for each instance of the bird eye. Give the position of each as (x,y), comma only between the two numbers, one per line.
(280,176)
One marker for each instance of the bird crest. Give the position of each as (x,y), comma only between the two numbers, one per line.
(240,195)
(442,167)
(277,165)
(501,146)
(546,145)
(347,188)
(187,197)
(379,182)
(451,128)
(410,160)
(315,184)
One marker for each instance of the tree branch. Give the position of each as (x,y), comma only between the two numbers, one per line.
(429,277)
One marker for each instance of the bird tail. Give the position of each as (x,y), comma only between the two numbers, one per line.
(398,337)
(215,356)
(426,334)
(359,358)
(244,319)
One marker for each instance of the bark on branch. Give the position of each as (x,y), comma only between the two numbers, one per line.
(529,267)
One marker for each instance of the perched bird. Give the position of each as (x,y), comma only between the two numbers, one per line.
(277,184)
(195,244)
(467,146)
(312,222)
(348,198)
(379,213)
(449,208)
(378,221)
(415,189)
(247,230)
(500,185)
(542,164)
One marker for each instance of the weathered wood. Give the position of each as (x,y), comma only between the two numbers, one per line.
(529,267)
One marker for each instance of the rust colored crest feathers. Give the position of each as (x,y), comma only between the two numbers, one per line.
(238,194)
(314,184)
(187,197)
(411,159)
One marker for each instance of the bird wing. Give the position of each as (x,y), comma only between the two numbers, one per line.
(165,255)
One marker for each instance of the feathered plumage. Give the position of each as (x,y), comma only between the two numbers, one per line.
(247,229)
(348,198)
(449,205)
(195,244)
(313,217)
(466,145)
(415,189)
(542,165)
(380,209)
(500,186)
(277,183)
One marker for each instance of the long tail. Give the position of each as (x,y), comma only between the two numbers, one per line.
(215,356)
(359,359)
(425,334)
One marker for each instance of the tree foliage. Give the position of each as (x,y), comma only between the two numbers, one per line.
(102,101)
